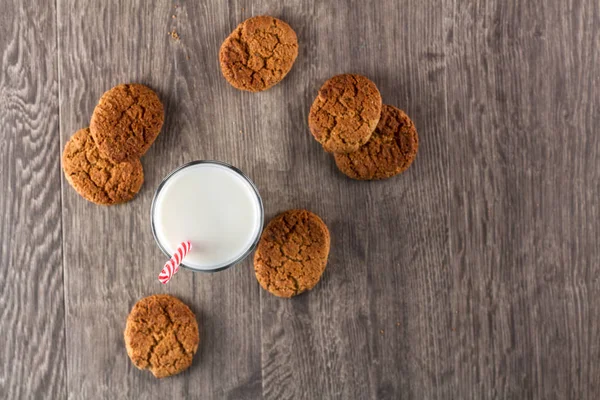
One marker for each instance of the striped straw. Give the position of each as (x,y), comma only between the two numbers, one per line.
(172,266)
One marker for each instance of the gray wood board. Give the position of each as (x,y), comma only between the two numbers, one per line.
(524,220)
(32,317)
(472,275)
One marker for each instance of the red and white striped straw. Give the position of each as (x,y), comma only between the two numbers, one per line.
(172,266)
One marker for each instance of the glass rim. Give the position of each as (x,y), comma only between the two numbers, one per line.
(237,172)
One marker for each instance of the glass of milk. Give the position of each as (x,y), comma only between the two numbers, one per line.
(214,206)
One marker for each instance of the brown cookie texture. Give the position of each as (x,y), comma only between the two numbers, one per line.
(292,253)
(126,121)
(345,113)
(258,54)
(97,178)
(390,151)
(161,335)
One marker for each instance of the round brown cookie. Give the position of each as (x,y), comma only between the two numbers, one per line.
(96,178)
(390,151)
(345,113)
(258,54)
(126,121)
(292,253)
(161,335)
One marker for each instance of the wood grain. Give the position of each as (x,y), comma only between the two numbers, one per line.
(312,345)
(474,275)
(372,324)
(113,260)
(523,104)
(32,359)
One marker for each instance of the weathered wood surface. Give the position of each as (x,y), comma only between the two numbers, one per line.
(473,275)
(32,316)
(523,111)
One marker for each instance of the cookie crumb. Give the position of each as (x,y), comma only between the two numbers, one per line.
(382,332)
(241,132)
(174,34)
(173,16)
(398,323)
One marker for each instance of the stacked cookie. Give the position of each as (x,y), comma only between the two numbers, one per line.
(102,162)
(369,140)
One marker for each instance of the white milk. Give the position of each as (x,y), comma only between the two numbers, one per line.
(213,207)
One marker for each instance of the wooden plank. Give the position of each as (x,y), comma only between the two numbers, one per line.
(523,100)
(389,239)
(32,360)
(493,284)
(110,253)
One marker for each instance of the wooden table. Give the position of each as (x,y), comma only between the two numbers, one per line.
(474,275)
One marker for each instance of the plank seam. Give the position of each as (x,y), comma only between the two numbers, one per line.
(62,210)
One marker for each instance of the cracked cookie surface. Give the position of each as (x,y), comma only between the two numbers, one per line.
(258,54)
(292,253)
(390,151)
(126,121)
(345,113)
(161,335)
(97,178)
